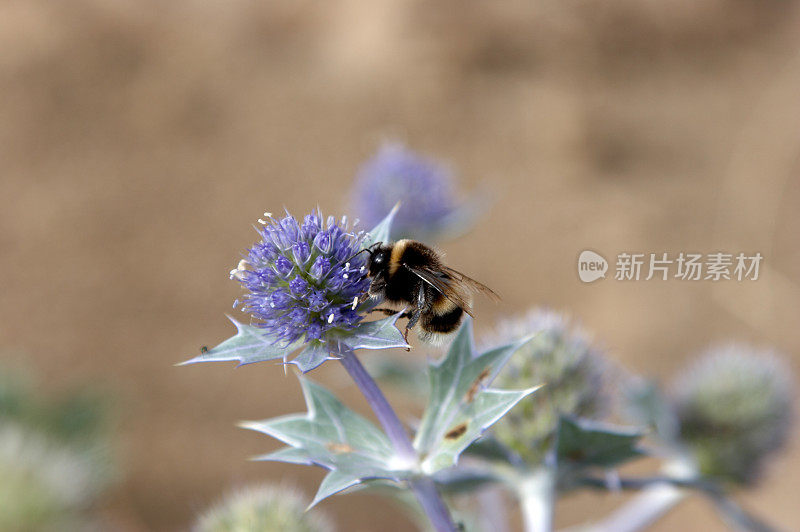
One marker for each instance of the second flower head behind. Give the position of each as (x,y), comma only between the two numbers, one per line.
(424,187)
(734,408)
(303,279)
(560,356)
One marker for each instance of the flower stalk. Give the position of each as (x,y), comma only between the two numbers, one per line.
(536,492)
(423,487)
(383,410)
(647,507)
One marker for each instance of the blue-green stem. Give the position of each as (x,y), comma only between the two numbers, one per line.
(423,487)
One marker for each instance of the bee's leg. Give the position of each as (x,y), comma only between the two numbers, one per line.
(391,312)
(416,313)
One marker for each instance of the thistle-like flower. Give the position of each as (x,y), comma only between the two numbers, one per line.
(304,285)
(424,188)
(304,280)
(734,409)
(560,357)
(263,508)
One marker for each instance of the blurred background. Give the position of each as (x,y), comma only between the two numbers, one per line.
(139,141)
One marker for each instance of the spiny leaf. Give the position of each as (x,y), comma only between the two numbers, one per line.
(333,483)
(311,357)
(378,334)
(249,345)
(590,443)
(332,436)
(461,406)
(381,232)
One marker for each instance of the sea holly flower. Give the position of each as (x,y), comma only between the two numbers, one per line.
(304,281)
(301,274)
(561,356)
(263,508)
(734,410)
(425,189)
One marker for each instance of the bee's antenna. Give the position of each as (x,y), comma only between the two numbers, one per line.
(368,250)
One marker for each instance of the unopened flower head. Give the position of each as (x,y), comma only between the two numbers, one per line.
(423,187)
(43,485)
(734,408)
(303,278)
(560,357)
(263,509)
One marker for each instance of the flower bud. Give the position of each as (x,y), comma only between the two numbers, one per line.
(560,357)
(263,509)
(734,409)
(423,187)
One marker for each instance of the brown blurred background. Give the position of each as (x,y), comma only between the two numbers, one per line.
(140,140)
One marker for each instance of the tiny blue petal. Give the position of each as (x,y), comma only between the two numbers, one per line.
(279,299)
(323,242)
(298,286)
(301,252)
(283,266)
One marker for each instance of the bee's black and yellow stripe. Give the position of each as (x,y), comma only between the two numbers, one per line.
(439,314)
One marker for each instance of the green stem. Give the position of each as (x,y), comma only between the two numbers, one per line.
(536,492)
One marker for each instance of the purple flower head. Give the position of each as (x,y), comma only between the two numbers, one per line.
(423,187)
(302,279)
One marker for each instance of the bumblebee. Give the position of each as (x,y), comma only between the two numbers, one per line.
(411,273)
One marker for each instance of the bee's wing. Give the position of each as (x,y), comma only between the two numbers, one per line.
(447,286)
(451,284)
(471,284)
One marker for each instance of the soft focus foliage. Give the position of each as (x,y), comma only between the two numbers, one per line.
(734,408)
(263,508)
(572,371)
(54,457)
(43,485)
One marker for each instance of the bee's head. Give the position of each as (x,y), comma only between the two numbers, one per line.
(379,255)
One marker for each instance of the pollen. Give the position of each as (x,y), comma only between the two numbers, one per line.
(239,269)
